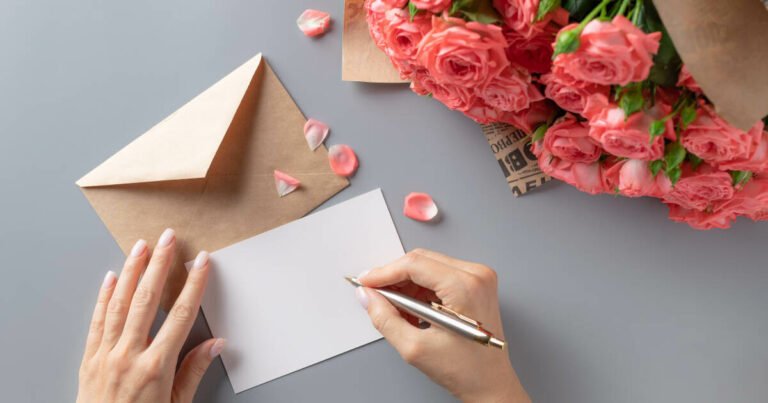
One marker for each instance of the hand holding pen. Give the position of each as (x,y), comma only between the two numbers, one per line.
(472,372)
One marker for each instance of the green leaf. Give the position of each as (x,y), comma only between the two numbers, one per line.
(567,42)
(674,175)
(578,9)
(674,155)
(632,100)
(459,5)
(539,133)
(656,166)
(687,115)
(666,63)
(546,7)
(695,161)
(481,17)
(657,128)
(740,177)
(412,10)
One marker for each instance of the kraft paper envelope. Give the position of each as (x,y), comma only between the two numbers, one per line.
(207,170)
(361,59)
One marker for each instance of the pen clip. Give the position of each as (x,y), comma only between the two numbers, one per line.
(449,311)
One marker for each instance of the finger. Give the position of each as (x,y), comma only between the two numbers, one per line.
(96,330)
(117,309)
(387,320)
(147,297)
(193,368)
(469,267)
(170,338)
(417,268)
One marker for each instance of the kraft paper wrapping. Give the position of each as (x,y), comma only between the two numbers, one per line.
(723,45)
(512,149)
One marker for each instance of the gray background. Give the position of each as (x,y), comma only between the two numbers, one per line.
(604,299)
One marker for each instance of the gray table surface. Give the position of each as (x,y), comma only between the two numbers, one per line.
(604,300)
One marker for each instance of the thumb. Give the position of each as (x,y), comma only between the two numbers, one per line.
(387,320)
(193,368)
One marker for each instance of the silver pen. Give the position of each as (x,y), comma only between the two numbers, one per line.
(439,315)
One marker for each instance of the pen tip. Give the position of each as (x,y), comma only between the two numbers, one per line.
(353,280)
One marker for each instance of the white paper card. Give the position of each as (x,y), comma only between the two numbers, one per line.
(280,298)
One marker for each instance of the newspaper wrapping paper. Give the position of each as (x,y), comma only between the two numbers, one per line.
(512,149)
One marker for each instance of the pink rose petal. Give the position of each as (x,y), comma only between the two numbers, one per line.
(315,132)
(285,183)
(313,22)
(343,160)
(420,207)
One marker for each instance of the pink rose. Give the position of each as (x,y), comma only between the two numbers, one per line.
(519,15)
(623,136)
(453,96)
(698,190)
(569,93)
(568,139)
(633,178)
(433,6)
(700,220)
(374,15)
(685,79)
(758,163)
(482,113)
(467,54)
(510,91)
(751,201)
(715,141)
(534,53)
(615,52)
(392,3)
(527,120)
(401,38)
(585,177)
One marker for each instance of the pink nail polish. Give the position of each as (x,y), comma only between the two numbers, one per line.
(109,280)
(166,238)
(362,297)
(200,261)
(139,248)
(363,274)
(217,348)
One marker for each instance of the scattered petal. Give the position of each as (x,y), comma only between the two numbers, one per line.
(313,22)
(285,183)
(420,207)
(343,160)
(315,132)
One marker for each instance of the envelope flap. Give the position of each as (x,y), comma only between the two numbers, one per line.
(183,145)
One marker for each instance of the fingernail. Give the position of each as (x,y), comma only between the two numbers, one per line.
(362,297)
(168,236)
(139,248)
(217,347)
(363,274)
(109,280)
(200,261)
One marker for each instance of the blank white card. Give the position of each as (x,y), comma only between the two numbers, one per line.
(280,298)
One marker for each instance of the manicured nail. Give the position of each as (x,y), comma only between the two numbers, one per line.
(363,274)
(168,236)
(217,347)
(362,296)
(139,248)
(109,280)
(200,261)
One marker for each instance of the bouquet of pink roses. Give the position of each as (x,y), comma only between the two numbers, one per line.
(599,87)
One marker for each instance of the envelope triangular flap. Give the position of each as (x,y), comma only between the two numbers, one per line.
(183,145)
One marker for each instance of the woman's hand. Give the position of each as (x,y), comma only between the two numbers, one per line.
(121,363)
(472,372)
